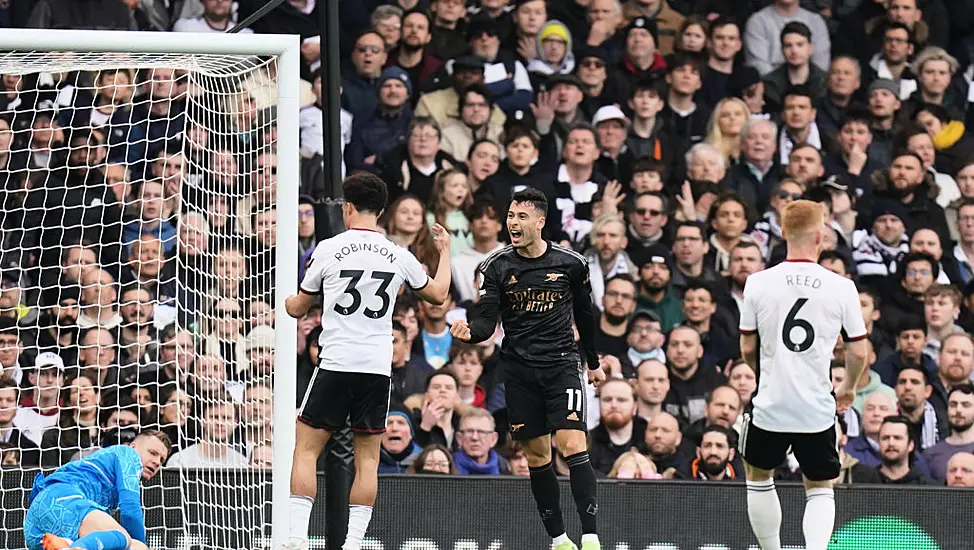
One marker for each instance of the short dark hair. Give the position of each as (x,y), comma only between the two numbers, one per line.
(795,27)
(720,22)
(483,206)
(649,83)
(696,225)
(158,434)
(533,196)
(9,326)
(897,26)
(662,198)
(585,126)
(478,142)
(441,372)
(7,383)
(366,192)
(923,372)
(726,197)
(699,284)
(648,164)
(911,322)
(800,90)
(835,255)
(517,131)
(905,422)
(856,113)
(694,60)
(622,277)
(731,435)
(939,111)
(479,89)
(819,195)
(397,326)
(872,293)
(921,257)
(966,388)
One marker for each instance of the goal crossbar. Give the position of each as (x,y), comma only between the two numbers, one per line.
(286,48)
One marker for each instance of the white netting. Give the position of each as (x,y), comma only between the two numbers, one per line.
(138,243)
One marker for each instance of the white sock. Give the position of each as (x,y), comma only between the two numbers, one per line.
(299,510)
(819,517)
(358,523)
(591,537)
(764,511)
(560,539)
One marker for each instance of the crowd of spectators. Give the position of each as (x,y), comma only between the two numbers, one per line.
(667,134)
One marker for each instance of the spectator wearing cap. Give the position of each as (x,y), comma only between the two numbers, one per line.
(656,294)
(602,85)
(556,111)
(892,62)
(641,57)
(399,449)
(723,45)
(762,35)
(554,47)
(648,216)
(413,52)
(909,184)
(667,19)
(884,104)
(617,305)
(449,26)
(360,82)
(443,105)
(386,127)
(475,105)
(616,160)
(40,403)
(504,75)
(876,254)
(796,46)
(843,84)
(851,162)
(685,119)
(619,427)
(756,174)
(644,342)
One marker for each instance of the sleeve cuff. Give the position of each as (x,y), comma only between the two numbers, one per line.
(748,331)
(421,287)
(857,338)
(311,292)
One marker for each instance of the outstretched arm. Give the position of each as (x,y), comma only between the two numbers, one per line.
(128,484)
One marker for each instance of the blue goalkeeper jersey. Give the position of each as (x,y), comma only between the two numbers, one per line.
(110,478)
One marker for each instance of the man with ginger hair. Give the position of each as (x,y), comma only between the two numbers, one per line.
(800,309)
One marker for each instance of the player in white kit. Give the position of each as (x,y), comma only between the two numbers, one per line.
(791,317)
(357,276)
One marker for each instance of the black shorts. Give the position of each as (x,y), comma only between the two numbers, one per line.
(544,400)
(333,397)
(817,453)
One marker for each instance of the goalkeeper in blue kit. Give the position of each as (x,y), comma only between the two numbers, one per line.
(71,508)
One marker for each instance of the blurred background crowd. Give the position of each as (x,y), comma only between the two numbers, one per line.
(138,238)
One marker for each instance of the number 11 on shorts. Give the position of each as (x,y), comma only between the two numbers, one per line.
(574,399)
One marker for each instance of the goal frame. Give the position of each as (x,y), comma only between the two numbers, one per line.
(287,50)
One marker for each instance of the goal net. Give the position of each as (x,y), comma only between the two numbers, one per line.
(141,278)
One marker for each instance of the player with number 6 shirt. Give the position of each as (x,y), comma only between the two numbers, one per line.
(537,288)
(356,275)
(791,317)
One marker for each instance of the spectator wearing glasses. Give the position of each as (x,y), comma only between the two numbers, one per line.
(767,231)
(601,83)
(442,105)
(893,59)
(644,342)
(477,438)
(647,222)
(618,304)
(475,105)
(554,48)
(360,83)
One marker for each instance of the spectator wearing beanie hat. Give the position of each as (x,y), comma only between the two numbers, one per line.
(399,449)
(876,255)
(554,45)
(388,125)
(667,19)
(641,56)
(656,292)
(504,75)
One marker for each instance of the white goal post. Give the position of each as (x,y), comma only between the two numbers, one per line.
(213,57)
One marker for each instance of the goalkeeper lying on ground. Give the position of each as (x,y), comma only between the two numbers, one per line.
(71,507)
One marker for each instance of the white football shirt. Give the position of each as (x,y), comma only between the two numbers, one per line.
(359,273)
(798,310)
